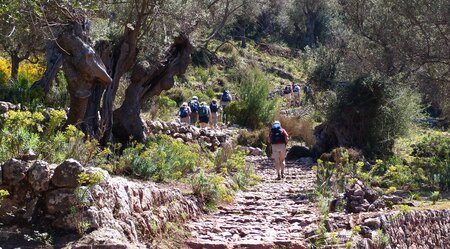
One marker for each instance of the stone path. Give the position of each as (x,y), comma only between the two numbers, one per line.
(272,214)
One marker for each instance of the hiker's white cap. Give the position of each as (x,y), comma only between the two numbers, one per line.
(194,97)
(276,122)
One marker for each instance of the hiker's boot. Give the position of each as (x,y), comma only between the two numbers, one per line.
(282,174)
(279,176)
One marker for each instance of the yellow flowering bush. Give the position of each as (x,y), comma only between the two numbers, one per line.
(27,71)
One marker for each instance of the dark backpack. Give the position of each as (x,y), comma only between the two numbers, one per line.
(193,104)
(307,90)
(226,96)
(214,107)
(287,89)
(184,112)
(203,111)
(277,135)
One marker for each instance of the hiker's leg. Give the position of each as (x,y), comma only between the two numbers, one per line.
(282,159)
(277,149)
(276,158)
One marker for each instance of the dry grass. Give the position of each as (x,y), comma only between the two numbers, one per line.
(298,128)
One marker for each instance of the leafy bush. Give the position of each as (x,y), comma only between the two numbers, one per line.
(374,111)
(20,133)
(19,91)
(254,109)
(164,158)
(432,155)
(257,138)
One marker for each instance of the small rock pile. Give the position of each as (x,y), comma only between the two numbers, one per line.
(361,199)
(188,133)
(7,106)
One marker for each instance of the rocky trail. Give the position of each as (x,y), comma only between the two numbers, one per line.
(274,213)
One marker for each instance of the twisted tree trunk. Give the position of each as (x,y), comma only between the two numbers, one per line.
(147,80)
(83,69)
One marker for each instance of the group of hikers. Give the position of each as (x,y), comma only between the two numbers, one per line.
(206,114)
(292,94)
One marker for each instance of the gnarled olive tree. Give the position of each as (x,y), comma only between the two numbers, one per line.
(149,79)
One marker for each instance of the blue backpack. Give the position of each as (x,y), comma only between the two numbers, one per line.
(184,112)
(214,107)
(193,104)
(277,135)
(226,96)
(203,111)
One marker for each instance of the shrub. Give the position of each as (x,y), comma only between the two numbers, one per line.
(20,133)
(432,155)
(298,128)
(257,138)
(374,111)
(254,109)
(163,159)
(435,196)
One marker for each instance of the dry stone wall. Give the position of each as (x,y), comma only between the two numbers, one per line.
(418,229)
(49,195)
(212,138)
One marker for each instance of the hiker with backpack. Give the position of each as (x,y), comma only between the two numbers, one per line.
(193,105)
(296,90)
(203,115)
(214,108)
(184,113)
(224,102)
(308,92)
(288,94)
(278,138)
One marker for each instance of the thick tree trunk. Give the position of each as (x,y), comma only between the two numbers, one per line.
(148,80)
(122,59)
(15,61)
(83,70)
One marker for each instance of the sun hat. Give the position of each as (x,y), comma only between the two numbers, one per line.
(195,97)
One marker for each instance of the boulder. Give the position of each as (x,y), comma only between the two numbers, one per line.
(66,174)
(60,201)
(105,237)
(39,176)
(14,171)
(4,108)
(297,151)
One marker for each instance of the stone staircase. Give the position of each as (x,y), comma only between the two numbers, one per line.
(272,214)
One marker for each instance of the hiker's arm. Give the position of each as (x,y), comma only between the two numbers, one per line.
(287,135)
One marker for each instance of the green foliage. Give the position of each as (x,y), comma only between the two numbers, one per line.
(435,196)
(380,239)
(164,158)
(356,230)
(405,209)
(391,190)
(166,107)
(3,194)
(20,133)
(376,111)
(426,166)
(254,109)
(432,155)
(414,196)
(333,177)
